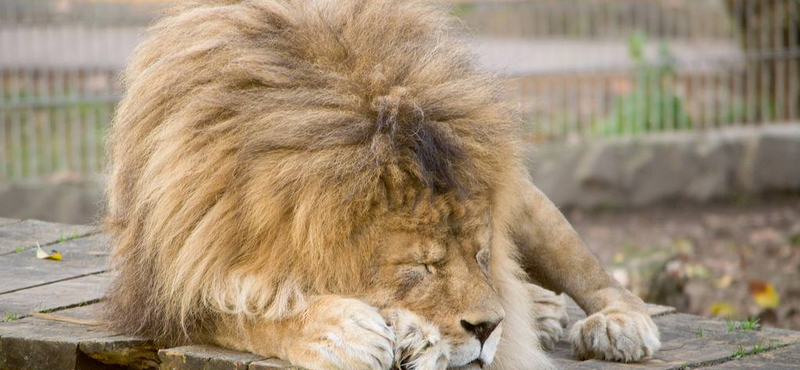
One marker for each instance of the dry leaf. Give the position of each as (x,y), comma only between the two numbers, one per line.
(724,282)
(42,255)
(722,309)
(764,294)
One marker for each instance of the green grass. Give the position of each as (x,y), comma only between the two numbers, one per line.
(652,105)
(11,316)
(71,236)
(749,324)
(19,249)
(795,240)
(730,324)
(700,332)
(744,325)
(759,347)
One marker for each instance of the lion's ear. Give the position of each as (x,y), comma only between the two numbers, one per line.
(401,124)
(484,256)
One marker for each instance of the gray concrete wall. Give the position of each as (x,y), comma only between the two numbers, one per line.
(692,166)
(67,200)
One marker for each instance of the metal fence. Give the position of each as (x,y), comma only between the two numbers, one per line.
(592,68)
(58,65)
(580,69)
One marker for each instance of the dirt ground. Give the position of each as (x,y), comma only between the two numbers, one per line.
(719,259)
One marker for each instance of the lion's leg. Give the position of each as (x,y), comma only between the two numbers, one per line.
(549,315)
(333,333)
(618,326)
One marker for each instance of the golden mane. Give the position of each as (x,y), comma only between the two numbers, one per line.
(257,138)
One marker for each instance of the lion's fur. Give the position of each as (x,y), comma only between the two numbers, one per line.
(256,138)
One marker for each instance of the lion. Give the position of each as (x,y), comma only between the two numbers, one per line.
(335,183)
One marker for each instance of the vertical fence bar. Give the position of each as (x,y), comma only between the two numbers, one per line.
(794,49)
(74,123)
(762,60)
(3,113)
(750,42)
(667,104)
(45,128)
(61,140)
(16,129)
(16,118)
(4,155)
(778,60)
(30,125)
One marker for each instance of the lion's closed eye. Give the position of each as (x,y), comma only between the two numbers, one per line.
(414,273)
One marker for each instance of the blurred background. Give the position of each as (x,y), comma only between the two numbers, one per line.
(667,130)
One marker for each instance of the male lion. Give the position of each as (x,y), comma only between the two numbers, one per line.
(334,183)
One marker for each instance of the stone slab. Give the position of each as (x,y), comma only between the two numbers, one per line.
(8,221)
(121,350)
(22,236)
(787,358)
(64,294)
(273,364)
(38,344)
(43,344)
(683,346)
(89,312)
(205,358)
(80,257)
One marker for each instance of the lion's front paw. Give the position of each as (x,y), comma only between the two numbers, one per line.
(550,316)
(343,334)
(616,335)
(418,346)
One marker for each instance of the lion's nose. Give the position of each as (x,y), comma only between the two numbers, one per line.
(482,330)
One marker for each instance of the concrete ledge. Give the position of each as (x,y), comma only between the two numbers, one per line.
(695,166)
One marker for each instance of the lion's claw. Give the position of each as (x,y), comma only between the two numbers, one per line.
(616,335)
(353,337)
(418,346)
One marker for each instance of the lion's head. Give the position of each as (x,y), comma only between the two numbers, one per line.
(266,151)
(439,269)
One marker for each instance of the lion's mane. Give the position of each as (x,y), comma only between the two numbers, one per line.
(257,137)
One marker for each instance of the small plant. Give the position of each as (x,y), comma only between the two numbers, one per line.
(19,249)
(11,316)
(749,324)
(71,236)
(739,352)
(759,347)
(699,333)
(730,324)
(652,105)
(795,240)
